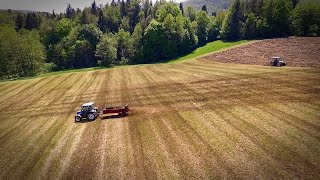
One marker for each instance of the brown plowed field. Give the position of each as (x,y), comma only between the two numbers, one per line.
(192,120)
(295,51)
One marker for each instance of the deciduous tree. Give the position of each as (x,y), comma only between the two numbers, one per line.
(107,49)
(306,19)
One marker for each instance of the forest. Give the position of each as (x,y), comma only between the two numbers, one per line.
(212,6)
(138,31)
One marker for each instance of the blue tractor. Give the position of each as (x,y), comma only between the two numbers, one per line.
(88,111)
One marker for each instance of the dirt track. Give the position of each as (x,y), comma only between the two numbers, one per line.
(193,120)
(295,51)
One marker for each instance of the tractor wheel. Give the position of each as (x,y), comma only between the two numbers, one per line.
(77,119)
(91,117)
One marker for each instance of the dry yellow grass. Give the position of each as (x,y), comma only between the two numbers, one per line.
(191,120)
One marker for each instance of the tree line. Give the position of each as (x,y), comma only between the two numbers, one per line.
(271,18)
(137,31)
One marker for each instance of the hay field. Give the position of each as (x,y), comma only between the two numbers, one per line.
(192,120)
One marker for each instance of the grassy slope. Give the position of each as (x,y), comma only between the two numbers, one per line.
(195,119)
(209,48)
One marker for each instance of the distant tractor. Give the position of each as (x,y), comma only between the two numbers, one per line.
(88,111)
(277,61)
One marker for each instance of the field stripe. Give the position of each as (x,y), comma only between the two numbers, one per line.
(30,114)
(52,129)
(198,96)
(9,119)
(239,170)
(21,88)
(196,143)
(193,120)
(161,159)
(35,137)
(92,133)
(69,132)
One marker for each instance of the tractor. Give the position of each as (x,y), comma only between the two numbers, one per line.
(88,111)
(277,61)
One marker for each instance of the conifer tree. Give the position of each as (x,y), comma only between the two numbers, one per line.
(32,21)
(70,12)
(53,14)
(84,18)
(294,3)
(19,21)
(204,8)
(203,22)
(28,22)
(181,8)
(231,24)
(102,22)
(94,8)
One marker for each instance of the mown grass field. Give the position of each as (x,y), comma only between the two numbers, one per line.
(192,120)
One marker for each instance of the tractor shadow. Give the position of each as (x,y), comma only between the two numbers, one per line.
(111,117)
(85,121)
(101,118)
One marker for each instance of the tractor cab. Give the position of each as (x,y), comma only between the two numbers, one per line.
(88,111)
(86,108)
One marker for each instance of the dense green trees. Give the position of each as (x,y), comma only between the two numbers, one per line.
(249,19)
(231,24)
(112,18)
(213,29)
(211,5)
(136,31)
(279,23)
(77,50)
(70,12)
(203,22)
(154,41)
(137,44)
(124,50)
(249,28)
(107,50)
(20,21)
(306,19)
(21,54)
(32,21)
(53,34)
(172,34)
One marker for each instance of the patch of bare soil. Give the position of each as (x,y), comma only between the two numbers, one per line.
(295,51)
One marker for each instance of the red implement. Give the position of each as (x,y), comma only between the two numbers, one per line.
(120,111)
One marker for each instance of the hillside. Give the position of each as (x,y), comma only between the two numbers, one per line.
(212,5)
(192,120)
(295,51)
